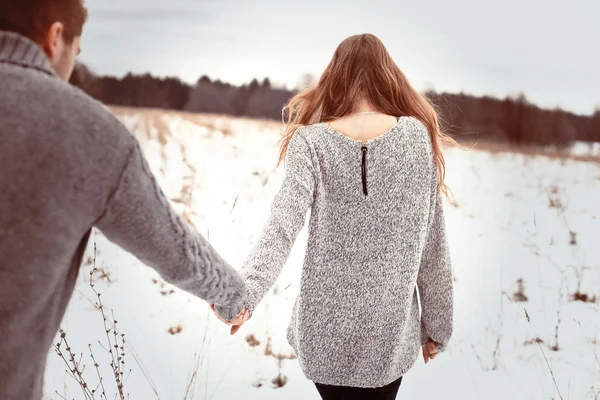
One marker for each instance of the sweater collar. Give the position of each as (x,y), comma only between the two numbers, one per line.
(20,50)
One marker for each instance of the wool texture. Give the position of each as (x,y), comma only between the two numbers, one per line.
(67,165)
(369,258)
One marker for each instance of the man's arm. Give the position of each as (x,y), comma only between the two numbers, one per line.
(139,218)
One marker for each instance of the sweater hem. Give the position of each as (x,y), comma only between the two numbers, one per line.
(360,383)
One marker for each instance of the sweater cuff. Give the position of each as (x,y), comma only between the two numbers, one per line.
(228,313)
(425,338)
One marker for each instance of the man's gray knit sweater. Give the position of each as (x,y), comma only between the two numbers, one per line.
(376,234)
(66,164)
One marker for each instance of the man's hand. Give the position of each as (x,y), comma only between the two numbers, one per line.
(235,323)
(430,351)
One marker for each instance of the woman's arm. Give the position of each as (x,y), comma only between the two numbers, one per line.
(288,212)
(435,275)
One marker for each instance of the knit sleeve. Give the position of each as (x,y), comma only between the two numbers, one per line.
(139,218)
(288,213)
(435,275)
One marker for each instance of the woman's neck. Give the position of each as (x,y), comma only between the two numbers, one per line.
(364,106)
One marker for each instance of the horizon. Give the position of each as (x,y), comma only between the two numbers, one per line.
(275,86)
(476,53)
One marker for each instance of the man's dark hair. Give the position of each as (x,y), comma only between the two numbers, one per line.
(32,18)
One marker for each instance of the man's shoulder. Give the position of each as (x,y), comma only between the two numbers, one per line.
(39,96)
(54,116)
(83,105)
(93,112)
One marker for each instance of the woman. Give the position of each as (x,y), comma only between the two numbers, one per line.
(363,152)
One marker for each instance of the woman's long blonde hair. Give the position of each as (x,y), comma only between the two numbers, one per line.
(362,68)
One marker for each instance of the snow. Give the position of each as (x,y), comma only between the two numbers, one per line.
(501,228)
(585,148)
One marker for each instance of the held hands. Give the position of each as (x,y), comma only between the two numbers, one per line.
(430,351)
(235,323)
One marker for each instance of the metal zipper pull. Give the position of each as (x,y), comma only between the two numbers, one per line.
(364,169)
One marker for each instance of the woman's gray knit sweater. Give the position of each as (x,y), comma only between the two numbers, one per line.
(376,234)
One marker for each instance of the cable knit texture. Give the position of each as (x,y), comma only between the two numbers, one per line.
(356,320)
(66,165)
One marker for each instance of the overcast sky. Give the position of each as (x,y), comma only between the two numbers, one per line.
(546,48)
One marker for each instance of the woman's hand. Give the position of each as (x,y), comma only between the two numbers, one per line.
(430,351)
(235,323)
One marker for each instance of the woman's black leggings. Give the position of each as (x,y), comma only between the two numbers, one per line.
(387,392)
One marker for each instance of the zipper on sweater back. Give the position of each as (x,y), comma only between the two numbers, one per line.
(364,169)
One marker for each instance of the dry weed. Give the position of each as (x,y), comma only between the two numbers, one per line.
(174,330)
(519,295)
(114,346)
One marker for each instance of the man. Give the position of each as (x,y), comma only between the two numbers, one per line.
(66,165)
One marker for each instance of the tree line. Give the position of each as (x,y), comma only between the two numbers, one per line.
(466,117)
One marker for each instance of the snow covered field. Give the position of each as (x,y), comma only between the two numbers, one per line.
(584,148)
(522,218)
